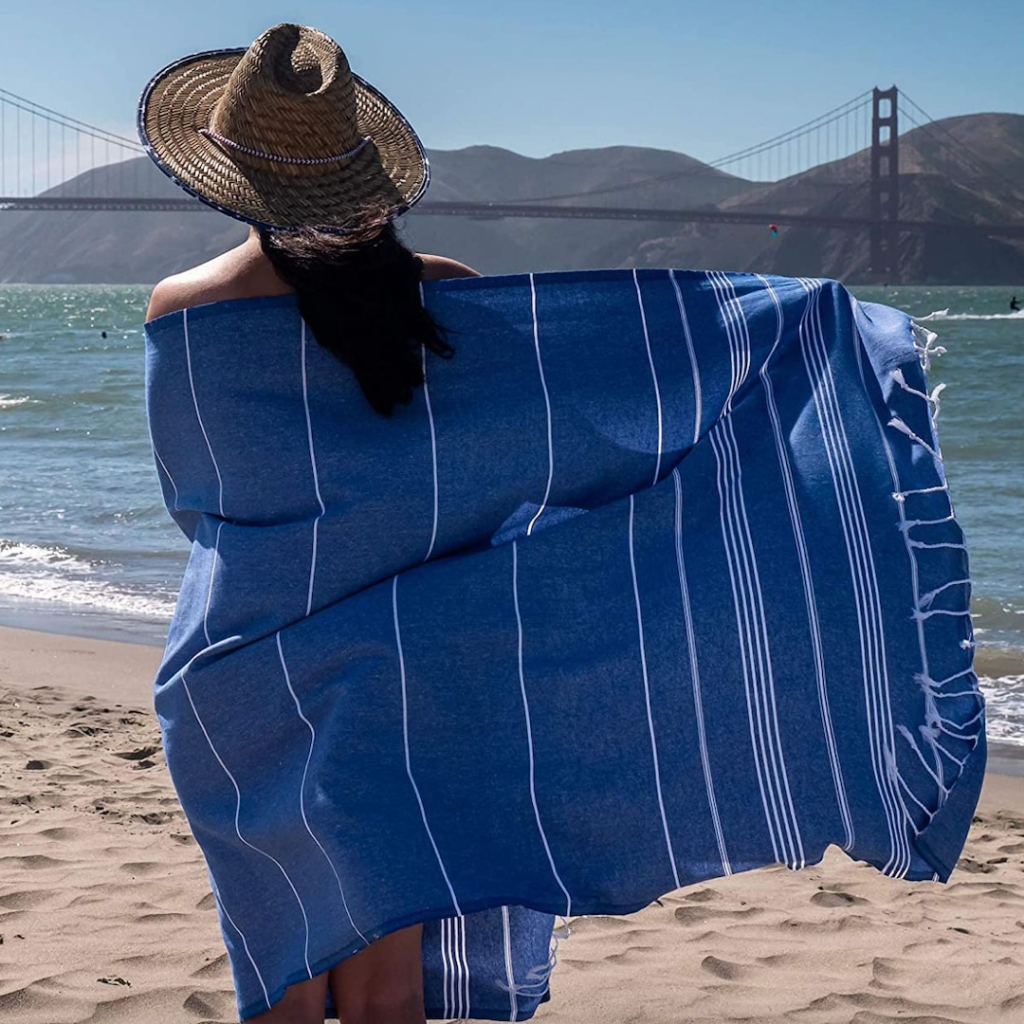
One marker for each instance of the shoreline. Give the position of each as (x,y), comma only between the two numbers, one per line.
(86,624)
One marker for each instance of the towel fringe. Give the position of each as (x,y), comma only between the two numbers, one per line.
(924,342)
(897,424)
(926,600)
(901,496)
(928,745)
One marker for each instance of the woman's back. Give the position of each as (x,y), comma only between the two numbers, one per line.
(246,273)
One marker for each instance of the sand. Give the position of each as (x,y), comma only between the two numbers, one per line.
(106,914)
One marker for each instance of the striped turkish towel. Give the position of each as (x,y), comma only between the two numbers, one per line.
(657,580)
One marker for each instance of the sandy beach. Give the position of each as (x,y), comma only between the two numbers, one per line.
(106,914)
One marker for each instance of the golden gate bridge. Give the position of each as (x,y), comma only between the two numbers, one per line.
(50,161)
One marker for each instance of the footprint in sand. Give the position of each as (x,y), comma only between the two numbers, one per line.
(628,956)
(155,817)
(885,973)
(163,917)
(700,915)
(143,867)
(209,1006)
(725,969)
(216,968)
(702,896)
(25,900)
(83,729)
(974,867)
(35,862)
(140,754)
(59,834)
(795,960)
(835,923)
(837,899)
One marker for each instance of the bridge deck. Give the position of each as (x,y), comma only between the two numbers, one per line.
(498,211)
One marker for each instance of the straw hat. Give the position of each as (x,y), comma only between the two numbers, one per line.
(283,135)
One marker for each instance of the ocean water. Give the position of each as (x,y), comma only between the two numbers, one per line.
(86,546)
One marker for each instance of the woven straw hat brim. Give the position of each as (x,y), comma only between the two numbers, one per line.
(385,178)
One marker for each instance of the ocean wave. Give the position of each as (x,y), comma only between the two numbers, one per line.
(1004,708)
(944,314)
(10,402)
(992,615)
(55,576)
(17,553)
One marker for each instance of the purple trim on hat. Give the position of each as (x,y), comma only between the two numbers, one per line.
(210,134)
(154,156)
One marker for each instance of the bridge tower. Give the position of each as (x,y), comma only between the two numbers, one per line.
(885,186)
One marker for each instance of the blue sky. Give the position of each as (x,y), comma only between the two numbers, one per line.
(540,77)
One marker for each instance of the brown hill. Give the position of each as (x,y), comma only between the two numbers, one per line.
(963,170)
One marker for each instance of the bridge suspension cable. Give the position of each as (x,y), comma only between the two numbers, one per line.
(56,156)
(957,149)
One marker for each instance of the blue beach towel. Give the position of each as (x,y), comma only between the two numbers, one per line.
(657,580)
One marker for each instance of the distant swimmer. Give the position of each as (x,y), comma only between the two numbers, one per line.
(103,334)
(1014,304)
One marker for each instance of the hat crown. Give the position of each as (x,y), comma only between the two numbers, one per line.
(291,96)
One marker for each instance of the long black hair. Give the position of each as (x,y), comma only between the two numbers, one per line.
(360,296)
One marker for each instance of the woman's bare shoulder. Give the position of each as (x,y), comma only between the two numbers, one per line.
(436,268)
(233,275)
(177,292)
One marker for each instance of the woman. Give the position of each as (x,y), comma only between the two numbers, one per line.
(588,612)
(358,289)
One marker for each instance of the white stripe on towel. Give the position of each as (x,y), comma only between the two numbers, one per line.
(654,375)
(647,695)
(509,971)
(529,731)
(241,935)
(199,417)
(698,703)
(547,405)
(685,320)
(238,812)
(302,786)
(167,473)
(433,437)
(405,738)
(209,590)
(316,475)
